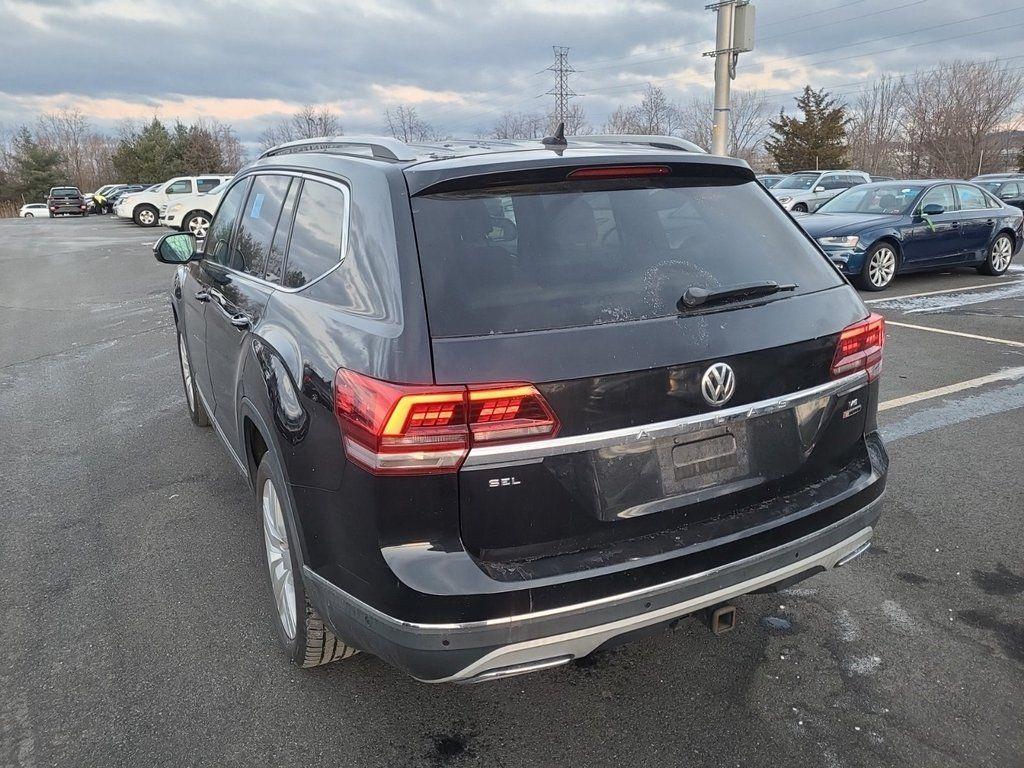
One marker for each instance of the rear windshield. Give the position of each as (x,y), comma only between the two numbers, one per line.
(567,255)
(65,192)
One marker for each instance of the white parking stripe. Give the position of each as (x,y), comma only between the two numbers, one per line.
(1009,373)
(944,290)
(1008,342)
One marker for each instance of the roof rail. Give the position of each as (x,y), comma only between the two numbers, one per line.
(378,147)
(660,142)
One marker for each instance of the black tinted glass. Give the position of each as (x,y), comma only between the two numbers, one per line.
(564,255)
(317,233)
(218,238)
(205,185)
(256,227)
(275,259)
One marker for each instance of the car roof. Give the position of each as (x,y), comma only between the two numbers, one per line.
(427,163)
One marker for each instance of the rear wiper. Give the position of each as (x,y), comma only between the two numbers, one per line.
(698,298)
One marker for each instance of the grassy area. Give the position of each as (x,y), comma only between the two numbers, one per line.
(8,210)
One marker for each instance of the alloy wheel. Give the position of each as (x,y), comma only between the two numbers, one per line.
(198,225)
(882,267)
(279,561)
(186,373)
(146,217)
(1002,252)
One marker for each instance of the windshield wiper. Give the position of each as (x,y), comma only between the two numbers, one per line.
(698,298)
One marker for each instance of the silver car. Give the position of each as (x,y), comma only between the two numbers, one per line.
(806,191)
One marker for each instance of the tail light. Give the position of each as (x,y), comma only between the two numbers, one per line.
(398,429)
(860,348)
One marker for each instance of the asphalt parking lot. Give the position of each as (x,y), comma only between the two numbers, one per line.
(136,629)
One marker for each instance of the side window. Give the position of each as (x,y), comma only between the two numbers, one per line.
(256,226)
(1008,190)
(971,198)
(218,238)
(942,195)
(181,187)
(316,235)
(831,181)
(205,185)
(275,259)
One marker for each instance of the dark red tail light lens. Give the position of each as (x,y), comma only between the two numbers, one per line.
(398,429)
(860,348)
(620,172)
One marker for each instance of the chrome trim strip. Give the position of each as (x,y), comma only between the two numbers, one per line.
(576,607)
(486,457)
(580,642)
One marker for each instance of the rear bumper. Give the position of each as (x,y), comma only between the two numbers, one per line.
(499,647)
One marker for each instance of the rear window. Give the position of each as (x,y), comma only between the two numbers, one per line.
(65,192)
(566,255)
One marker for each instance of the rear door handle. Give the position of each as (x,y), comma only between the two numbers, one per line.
(241,321)
(202,296)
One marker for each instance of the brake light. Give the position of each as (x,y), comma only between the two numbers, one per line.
(391,429)
(620,172)
(860,348)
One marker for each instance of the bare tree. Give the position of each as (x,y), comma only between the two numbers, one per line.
(310,122)
(405,125)
(518,125)
(654,115)
(576,123)
(85,152)
(950,113)
(748,124)
(875,132)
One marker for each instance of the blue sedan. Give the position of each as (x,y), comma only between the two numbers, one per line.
(873,232)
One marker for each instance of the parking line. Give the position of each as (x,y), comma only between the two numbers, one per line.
(1008,342)
(1009,373)
(944,290)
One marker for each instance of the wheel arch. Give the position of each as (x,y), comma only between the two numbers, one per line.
(891,238)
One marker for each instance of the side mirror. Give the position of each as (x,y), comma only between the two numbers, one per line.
(819,188)
(932,209)
(176,248)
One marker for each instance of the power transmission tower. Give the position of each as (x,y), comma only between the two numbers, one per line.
(562,92)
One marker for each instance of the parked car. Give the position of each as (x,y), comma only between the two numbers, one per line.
(66,201)
(144,207)
(502,404)
(1003,175)
(882,178)
(34,211)
(193,213)
(808,190)
(1009,190)
(769,180)
(876,231)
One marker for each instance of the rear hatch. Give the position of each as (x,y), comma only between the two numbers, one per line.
(573,285)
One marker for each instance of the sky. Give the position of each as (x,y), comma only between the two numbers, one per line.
(459,62)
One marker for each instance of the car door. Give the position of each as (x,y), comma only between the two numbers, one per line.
(239,294)
(977,222)
(198,282)
(935,239)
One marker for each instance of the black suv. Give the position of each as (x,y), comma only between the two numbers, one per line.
(66,201)
(503,404)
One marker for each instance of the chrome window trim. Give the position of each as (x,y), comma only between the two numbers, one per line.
(486,457)
(346,194)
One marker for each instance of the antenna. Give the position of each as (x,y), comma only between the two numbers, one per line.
(562,92)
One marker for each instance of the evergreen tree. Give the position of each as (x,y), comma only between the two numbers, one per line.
(816,140)
(34,169)
(147,155)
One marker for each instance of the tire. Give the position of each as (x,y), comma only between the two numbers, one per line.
(196,411)
(800,208)
(302,633)
(146,216)
(197,222)
(29,216)
(1000,254)
(880,266)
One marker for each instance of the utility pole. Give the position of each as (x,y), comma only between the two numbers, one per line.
(562,92)
(735,35)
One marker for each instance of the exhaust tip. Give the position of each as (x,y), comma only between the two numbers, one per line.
(846,559)
(722,619)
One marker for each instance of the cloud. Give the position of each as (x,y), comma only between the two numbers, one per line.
(460,63)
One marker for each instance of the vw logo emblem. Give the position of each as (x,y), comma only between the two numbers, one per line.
(718,384)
